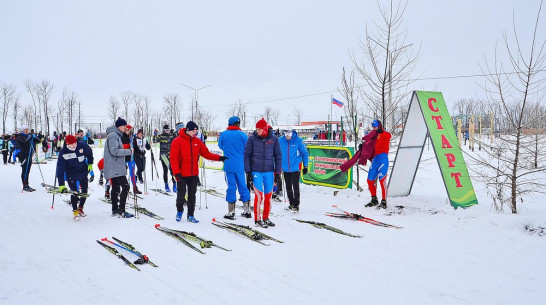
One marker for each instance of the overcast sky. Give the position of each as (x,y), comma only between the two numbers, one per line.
(245,50)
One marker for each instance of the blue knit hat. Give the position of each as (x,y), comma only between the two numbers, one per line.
(191,126)
(234,120)
(120,122)
(179,126)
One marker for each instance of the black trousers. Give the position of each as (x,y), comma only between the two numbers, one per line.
(189,183)
(117,183)
(165,169)
(73,185)
(140,165)
(26,164)
(5,156)
(292,180)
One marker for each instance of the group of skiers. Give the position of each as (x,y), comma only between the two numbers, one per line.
(251,163)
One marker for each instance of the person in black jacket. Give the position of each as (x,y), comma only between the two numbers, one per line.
(263,162)
(73,164)
(126,141)
(165,139)
(25,143)
(140,145)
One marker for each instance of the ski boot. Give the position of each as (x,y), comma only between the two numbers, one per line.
(125,215)
(372,202)
(179,216)
(192,219)
(107,194)
(231,211)
(261,224)
(175,190)
(293,208)
(76,214)
(382,205)
(80,210)
(246,210)
(269,223)
(137,191)
(167,189)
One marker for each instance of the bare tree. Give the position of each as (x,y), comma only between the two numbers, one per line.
(239,109)
(7,94)
(203,119)
(508,168)
(16,105)
(348,91)
(387,65)
(126,98)
(172,105)
(32,90)
(27,117)
(113,108)
(43,90)
(71,104)
(298,113)
(271,115)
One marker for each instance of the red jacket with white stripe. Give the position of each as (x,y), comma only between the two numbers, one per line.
(185,152)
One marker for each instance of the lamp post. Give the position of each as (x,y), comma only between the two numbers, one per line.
(196,97)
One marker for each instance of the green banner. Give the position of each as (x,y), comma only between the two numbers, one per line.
(324,162)
(446,146)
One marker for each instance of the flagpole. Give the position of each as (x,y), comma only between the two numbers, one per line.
(330,119)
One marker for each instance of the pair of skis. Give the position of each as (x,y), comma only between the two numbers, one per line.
(245,231)
(142,259)
(55,190)
(185,237)
(357,217)
(321,225)
(140,209)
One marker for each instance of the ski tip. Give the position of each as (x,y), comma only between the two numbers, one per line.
(334,206)
(103,239)
(214,220)
(157,225)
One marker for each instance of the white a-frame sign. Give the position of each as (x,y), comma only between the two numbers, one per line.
(428,115)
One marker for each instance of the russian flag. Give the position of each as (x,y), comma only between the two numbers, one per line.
(336,102)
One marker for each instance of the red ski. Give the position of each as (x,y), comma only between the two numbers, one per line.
(358,217)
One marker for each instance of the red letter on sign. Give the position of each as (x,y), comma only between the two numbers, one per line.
(445,142)
(456,176)
(450,159)
(437,118)
(430,100)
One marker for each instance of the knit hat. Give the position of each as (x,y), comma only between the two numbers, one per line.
(262,124)
(129,127)
(234,120)
(377,123)
(120,122)
(24,127)
(166,126)
(70,139)
(179,126)
(140,130)
(191,126)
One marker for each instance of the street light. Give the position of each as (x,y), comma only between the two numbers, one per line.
(196,96)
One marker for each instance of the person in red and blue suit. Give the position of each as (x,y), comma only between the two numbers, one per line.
(380,165)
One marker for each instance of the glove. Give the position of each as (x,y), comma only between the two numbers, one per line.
(223,158)
(249,179)
(360,146)
(178,177)
(90,167)
(305,170)
(62,189)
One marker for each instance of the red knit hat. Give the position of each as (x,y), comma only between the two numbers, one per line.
(262,124)
(70,139)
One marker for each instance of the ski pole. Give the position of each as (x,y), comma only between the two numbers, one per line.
(283,182)
(205,178)
(54,185)
(133,178)
(143,258)
(40,168)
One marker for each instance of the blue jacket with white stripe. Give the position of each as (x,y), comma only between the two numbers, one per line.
(72,164)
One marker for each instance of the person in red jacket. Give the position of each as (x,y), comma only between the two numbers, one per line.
(380,165)
(185,152)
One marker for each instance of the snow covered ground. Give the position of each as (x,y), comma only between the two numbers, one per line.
(441,256)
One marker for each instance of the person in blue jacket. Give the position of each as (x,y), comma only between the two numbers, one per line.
(294,152)
(72,167)
(233,141)
(263,162)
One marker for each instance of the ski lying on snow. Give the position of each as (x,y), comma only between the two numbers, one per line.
(254,236)
(178,237)
(143,259)
(140,209)
(327,227)
(253,231)
(116,253)
(203,242)
(358,217)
